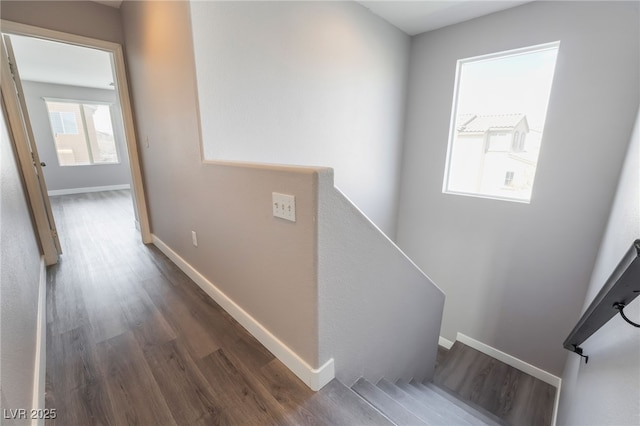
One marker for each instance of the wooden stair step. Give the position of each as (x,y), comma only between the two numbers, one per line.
(462,410)
(353,409)
(385,404)
(430,417)
(474,409)
(449,411)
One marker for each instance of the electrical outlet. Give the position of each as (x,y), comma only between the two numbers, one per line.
(284,206)
(194,238)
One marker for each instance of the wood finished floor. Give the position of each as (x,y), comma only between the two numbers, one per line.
(485,382)
(131,340)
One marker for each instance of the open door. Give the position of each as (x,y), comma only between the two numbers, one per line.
(16,108)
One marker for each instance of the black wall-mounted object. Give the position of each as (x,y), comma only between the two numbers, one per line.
(620,289)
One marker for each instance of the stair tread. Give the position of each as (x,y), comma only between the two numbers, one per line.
(385,404)
(446,409)
(353,408)
(430,417)
(468,406)
(468,415)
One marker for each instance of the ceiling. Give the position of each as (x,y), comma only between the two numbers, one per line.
(59,63)
(415,17)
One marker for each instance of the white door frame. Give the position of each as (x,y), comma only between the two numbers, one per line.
(15,28)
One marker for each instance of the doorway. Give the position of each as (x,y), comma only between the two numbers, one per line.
(76,120)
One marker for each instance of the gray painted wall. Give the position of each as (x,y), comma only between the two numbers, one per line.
(515,274)
(19,282)
(266,265)
(85,18)
(305,282)
(309,83)
(607,390)
(379,314)
(69,177)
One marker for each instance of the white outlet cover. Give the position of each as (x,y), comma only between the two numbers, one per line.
(284,206)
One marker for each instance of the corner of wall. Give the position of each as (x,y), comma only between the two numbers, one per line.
(314,378)
(39,370)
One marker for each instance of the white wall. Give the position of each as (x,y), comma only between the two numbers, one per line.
(61,178)
(19,283)
(309,83)
(606,391)
(379,315)
(515,274)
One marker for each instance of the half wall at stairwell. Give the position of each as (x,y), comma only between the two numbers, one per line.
(379,314)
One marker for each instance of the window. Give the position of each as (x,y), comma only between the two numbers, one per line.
(82,133)
(508,178)
(64,123)
(500,101)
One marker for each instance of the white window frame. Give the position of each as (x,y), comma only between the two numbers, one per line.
(454,113)
(82,127)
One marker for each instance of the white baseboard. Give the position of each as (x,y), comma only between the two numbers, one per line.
(511,360)
(315,378)
(54,192)
(445,343)
(39,370)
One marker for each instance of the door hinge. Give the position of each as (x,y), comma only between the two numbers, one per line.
(54,233)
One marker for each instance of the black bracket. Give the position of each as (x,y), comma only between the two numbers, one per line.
(620,306)
(578,350)
(620,289)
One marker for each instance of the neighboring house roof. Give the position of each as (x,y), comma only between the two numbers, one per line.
(472,123)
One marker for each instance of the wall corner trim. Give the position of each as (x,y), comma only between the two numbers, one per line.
(40,364)
(511,360)
(315,378)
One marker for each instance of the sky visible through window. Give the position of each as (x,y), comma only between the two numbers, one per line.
(519,83)
(102,119)
(498,119)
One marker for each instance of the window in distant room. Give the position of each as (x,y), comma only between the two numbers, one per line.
(508,178)
(499,110)
(82,132)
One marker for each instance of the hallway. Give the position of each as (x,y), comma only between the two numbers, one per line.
(132,340)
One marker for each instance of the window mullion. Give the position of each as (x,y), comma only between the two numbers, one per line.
(86,133)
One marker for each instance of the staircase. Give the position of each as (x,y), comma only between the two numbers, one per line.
(469,388)
(416,403)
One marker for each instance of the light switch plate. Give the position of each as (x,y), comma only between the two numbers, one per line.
(284,206)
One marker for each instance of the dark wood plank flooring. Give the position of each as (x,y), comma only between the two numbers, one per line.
(492,385)
(131,340)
